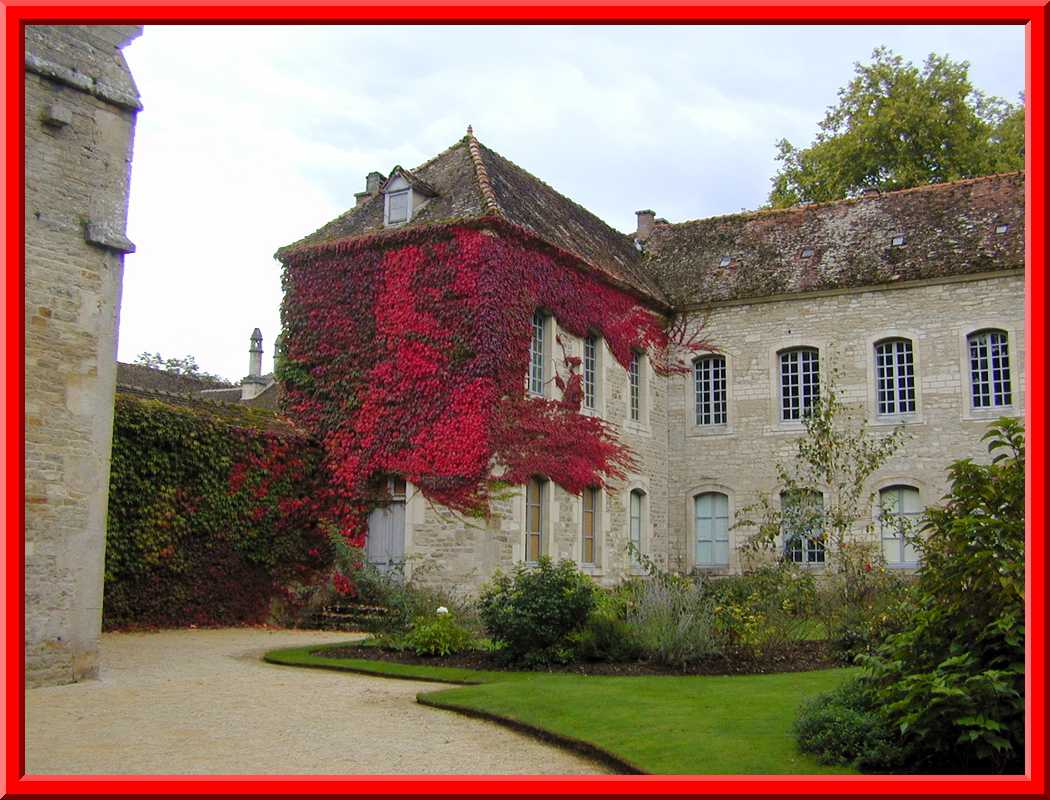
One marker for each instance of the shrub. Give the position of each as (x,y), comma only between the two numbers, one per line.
(766,608)
(607,638)
(843,727)
(953,682)
(532,614)
(438,636)
(675,623)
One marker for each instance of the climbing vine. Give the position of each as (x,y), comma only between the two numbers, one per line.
(212,510)
(406,354)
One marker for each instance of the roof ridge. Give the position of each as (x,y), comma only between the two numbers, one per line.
(762,212)
(488,196)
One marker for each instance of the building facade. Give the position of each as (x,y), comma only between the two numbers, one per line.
(80,110)
(912,302)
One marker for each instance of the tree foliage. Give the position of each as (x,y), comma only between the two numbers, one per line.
(897,126)
(178,366)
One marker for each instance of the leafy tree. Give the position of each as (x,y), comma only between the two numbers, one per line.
(898,126)
(952,682)
(178,366)
(823,497)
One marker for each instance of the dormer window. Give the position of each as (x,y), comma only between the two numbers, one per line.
(404,196)
(1002,227)
(397,206)
(725,261)
(898,240)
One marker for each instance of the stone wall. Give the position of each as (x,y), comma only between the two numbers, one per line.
(80,107)
(676,460)
(738,458)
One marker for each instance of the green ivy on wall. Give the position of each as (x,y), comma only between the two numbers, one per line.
(212,511)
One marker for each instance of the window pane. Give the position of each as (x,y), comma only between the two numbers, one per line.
(799,382)
(634,381)
(536,372)
(895,377)
(590,365)
(397,207)
(990,369)
(709,380)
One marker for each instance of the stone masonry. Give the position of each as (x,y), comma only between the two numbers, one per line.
(80,108)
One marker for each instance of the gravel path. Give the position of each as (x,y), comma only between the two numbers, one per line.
(201,702)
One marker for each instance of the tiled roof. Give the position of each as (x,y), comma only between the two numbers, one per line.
(149,379)
(471,181)
(948,229)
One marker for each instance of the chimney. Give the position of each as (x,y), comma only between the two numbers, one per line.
(253,384)
(373,181)
(646,220)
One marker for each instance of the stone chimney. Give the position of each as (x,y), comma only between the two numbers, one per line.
(253,383)
(646,220)
(373,180)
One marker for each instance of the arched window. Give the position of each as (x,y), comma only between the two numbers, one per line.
(709,383)
(588,534)
(799,382)
(802,526)
(900,512)
(712,528)
(535,508)
(637,520)
(894,377)
(537,376)
(990,369)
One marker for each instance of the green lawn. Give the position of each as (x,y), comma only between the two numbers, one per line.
(739,724)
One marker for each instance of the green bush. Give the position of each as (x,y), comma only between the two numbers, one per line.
(607,638)
(675,623)
(842,727)
(440,635)
(953,681)
(532,614)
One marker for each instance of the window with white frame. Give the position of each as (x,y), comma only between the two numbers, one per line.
(899,513)
(535,500)
(894,377)
(397,207)
(990,369)
(634,381)
(802,526)
(588,533)
(637,511)
(799,382)
(537,374)
(709,384)
(712,529)
(590,372)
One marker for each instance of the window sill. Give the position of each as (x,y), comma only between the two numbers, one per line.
(637,428)
(710,430)
(994,412)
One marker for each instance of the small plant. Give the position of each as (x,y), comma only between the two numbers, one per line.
(438,636)
(533,613)
(607,636)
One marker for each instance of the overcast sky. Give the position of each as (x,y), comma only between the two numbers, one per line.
(252,137)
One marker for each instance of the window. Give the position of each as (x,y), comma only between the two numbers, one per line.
(709,380)
(397,207)
(802,527)
(635,532)
(535,499)
(898,521)
(898,240)
(990,369)
(634,378)
(799,382)
(537,376)
(712,528)
(894,377)
(590,524)
(590,371)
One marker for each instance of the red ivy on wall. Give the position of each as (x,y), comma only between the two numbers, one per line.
(407,354)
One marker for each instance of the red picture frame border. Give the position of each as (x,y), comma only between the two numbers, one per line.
(16,14)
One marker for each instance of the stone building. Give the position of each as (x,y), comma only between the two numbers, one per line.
(80,109)
(915,299)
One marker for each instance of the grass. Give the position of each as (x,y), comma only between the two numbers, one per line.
(739,724)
